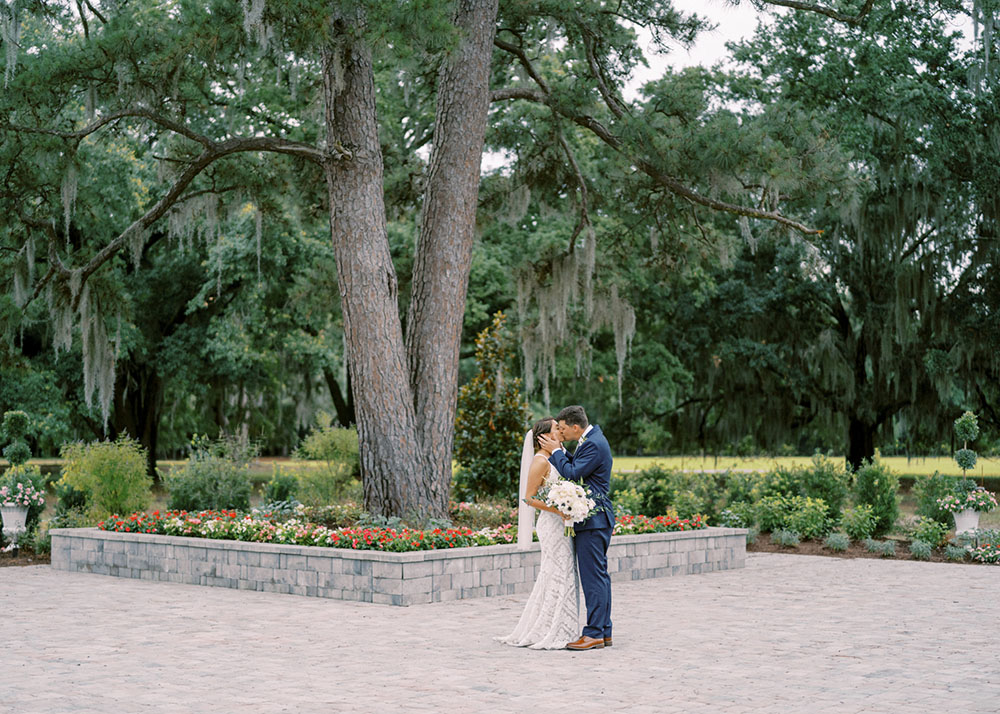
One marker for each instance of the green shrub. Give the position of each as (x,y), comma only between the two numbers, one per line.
(806,516)
(231,447)
(15,428)
(739,515)
(809,518)
(490,421)
(17,452)
(838,542)
(921,550)
(752,533)
(482,514)
(332,444)
(876,484)
(828,480)
(745,486)
(281,488)
(628,502)
(967,427)
(859,522)
(887,549)
(656,490)
(824,479)
(955,553)
(927,489)
(209,482)
(326,485)
(929,531)
(111,474)
(789,539)
(69,498)
(780,481)
(872,545)
(337,515)
(966,459)
(41,540)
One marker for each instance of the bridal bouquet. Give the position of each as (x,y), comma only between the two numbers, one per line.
(570,499)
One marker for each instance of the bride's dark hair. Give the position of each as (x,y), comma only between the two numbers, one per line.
(542,426)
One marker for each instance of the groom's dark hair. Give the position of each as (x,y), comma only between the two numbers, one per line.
(574,416)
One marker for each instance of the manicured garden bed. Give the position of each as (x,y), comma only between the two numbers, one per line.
(986,555)
(262,528)
(384,576)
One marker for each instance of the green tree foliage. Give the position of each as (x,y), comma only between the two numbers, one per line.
(491,420)
(898,92)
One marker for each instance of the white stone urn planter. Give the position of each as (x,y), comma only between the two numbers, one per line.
(14,518)
(966,520)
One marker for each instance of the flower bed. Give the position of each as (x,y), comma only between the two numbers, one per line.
(261,528)
(985,553)
(359,566)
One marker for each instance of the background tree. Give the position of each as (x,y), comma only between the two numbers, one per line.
(491,420)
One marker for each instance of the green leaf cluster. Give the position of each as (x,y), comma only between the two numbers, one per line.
(491,420)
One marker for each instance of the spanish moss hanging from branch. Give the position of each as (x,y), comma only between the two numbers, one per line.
(558,295)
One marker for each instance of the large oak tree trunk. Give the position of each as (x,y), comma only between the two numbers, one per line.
(138,404)
(447,232)
(860,442)
(392,464)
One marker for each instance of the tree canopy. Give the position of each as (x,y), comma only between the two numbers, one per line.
(223,216)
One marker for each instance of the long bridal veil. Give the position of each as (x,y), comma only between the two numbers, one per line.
(525,513)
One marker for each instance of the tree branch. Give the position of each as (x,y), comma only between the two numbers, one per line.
(142,112)
(211,154)
(613,103)
(83,19)
(822,9)
(588,122)
(584,216)
(94,10)
(525,62)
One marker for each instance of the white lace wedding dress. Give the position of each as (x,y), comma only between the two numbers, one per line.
(552,616)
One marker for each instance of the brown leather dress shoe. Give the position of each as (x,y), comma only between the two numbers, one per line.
(586,643)
(607,641)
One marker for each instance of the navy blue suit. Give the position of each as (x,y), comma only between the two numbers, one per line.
(591,465)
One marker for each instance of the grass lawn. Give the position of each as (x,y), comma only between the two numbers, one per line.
(262,469)
(899,464)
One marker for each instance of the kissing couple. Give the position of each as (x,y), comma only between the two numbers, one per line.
(551,618)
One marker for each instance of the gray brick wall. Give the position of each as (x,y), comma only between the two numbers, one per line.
(370,576)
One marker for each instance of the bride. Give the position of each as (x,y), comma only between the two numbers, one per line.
(552,616)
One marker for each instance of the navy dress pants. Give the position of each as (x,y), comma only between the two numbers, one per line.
(592,557)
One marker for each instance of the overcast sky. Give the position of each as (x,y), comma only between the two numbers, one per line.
(732,22)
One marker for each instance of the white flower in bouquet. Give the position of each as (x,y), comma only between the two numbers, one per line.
(571,500)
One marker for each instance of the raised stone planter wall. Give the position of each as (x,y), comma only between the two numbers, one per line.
(372,576)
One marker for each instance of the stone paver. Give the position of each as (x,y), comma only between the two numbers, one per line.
(787,634)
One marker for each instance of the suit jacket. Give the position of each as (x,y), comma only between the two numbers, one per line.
(590,465)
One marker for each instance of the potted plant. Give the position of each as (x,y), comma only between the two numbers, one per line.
(969,500)
(19,489)
(17,495)
(967,505)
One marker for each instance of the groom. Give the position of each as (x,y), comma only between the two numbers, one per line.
(591,465)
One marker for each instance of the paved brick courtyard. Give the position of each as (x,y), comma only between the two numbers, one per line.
(787,634)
